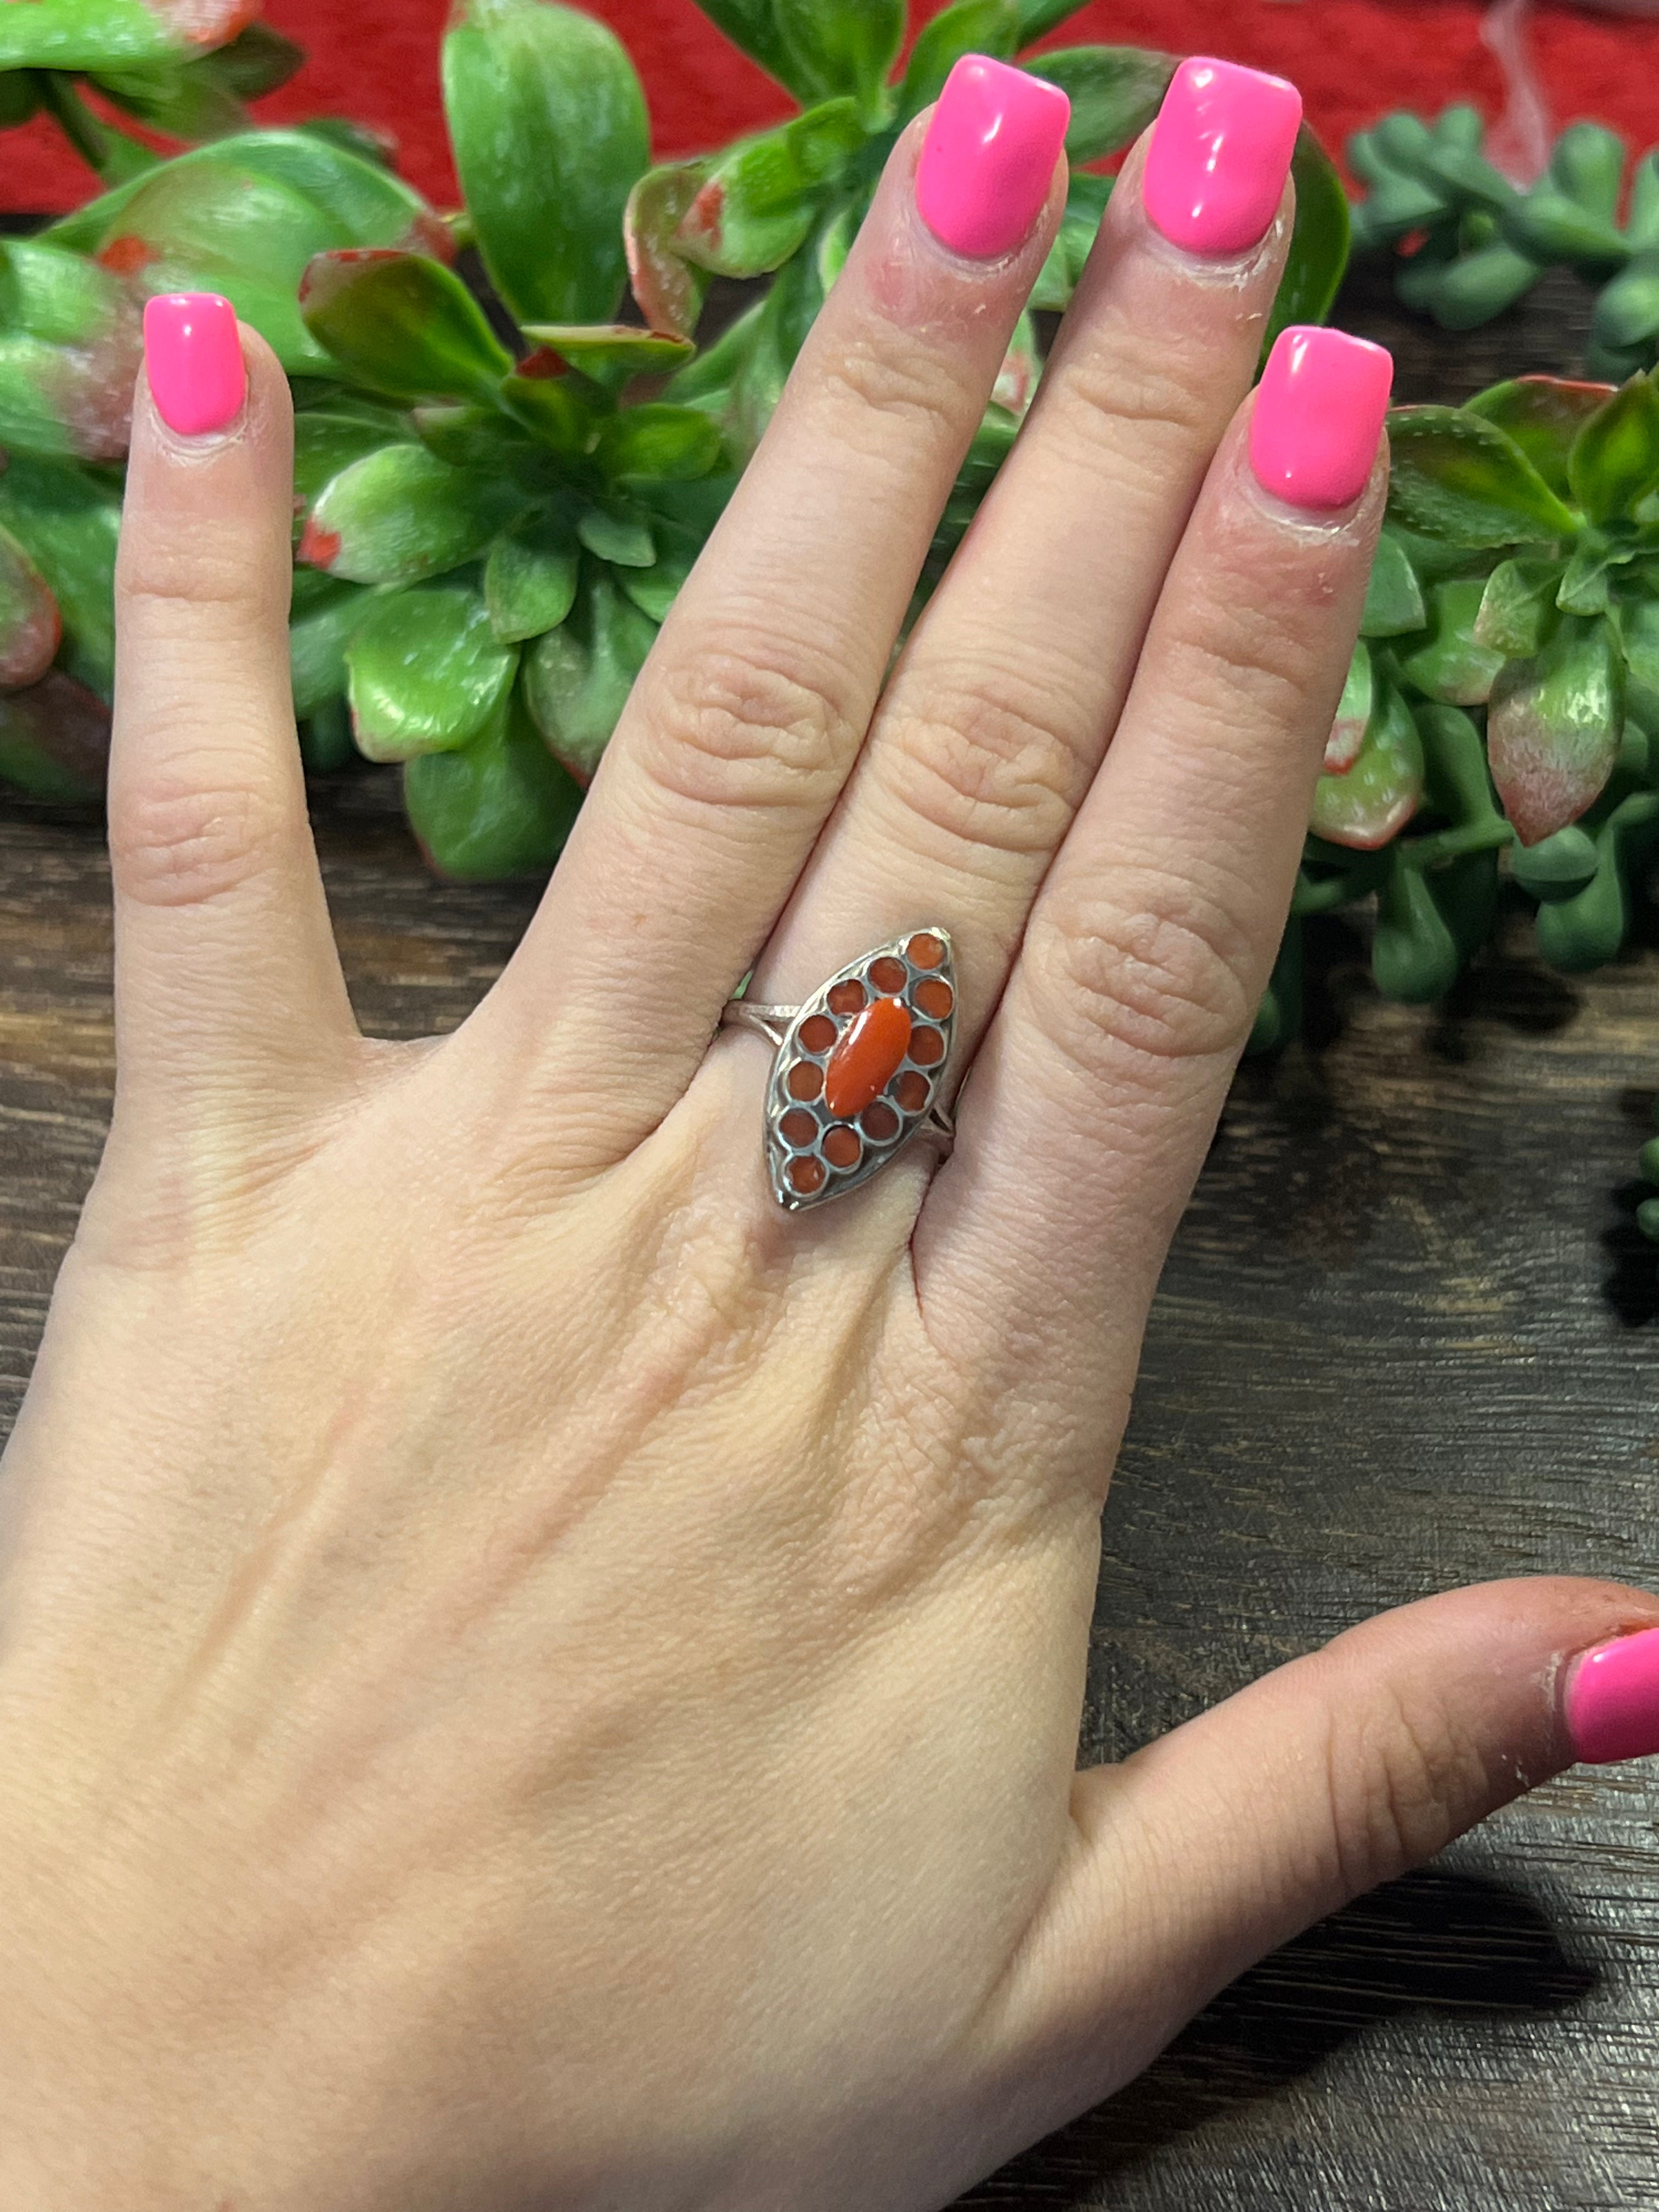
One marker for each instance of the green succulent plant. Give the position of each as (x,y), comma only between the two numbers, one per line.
(1504,691)
(1469,243)
(183,67)
(496,498)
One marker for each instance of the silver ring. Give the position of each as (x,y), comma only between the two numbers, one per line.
(859,1070)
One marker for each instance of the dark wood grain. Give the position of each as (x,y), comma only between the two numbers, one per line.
(1405,1340)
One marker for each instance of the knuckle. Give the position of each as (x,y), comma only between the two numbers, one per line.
(1156,968)
(891,384)
(1140,401)
(994,763)
(1245,649)
(735,725)
(1401,1781)
(177,840)
(203,576)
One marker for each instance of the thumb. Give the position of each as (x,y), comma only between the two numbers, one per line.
(1338,1771)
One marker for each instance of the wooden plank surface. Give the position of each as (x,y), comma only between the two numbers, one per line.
(1405,1340)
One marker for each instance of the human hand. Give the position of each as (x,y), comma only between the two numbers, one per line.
(533,1678)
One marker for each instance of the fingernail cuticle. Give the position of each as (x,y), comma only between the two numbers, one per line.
(1219,155)
(193,358)
(1319,412)
(989,156)
(1612,1703)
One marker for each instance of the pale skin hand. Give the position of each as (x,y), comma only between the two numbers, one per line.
(530,1678)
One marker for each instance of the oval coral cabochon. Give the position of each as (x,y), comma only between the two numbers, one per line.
(860,1068)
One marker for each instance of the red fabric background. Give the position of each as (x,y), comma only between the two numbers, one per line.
(377,60)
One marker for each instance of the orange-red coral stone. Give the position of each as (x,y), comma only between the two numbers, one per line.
(799,1127)
(889,974)
(933,997)
(807,1175)
(817,1033)
(842,1147)
(847,998)
(864,1063)
(805,1079)
(879,1123)
(925,950)
(927,1048)
(911,1090)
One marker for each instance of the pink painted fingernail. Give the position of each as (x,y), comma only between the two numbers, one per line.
(194,358)
(1220,153)
(1319,412)
(989,156)
(1613,1699)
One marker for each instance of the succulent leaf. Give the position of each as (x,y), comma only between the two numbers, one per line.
(257,61)
(500,807)
(1353,714)
(1514,611)
(668,287)
(1557,867)
(184,100)
(1115,93)
(1615,457)
(68,519)
(401,514)
(1457,477)
(1364,805)
(1451,664)
(424,672)
(613,352)
(88,34)
(577,678)
(549,132)
(1586,930)
(530,577)
(1415,956)
(658,440)
(1038,16)
(1394,598)
(1588,164)
(1626,313)
(758,202)
(402,323)
(842,46)
(30,623)
(1543,416)
(551,411)
(970,27)
(54,739)
(1318,252)
(616,534)
(326,442)
(753,26)
(1554,729)
(317,636)
(1550,227)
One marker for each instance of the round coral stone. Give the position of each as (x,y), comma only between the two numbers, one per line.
(864,1063)
(933,997)
(879,1123)
(842,1147)
(807,1175)
(805,1079)
(911,1090)
(847,998)
(818,1034)
(927,1048)
(889,974)
(925,952)
(799,1127)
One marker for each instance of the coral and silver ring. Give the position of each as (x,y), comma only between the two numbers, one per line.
(859,1069)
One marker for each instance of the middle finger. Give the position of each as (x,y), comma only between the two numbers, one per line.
(1001,706)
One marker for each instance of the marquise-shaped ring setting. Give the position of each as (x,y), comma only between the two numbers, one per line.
(860,1068)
